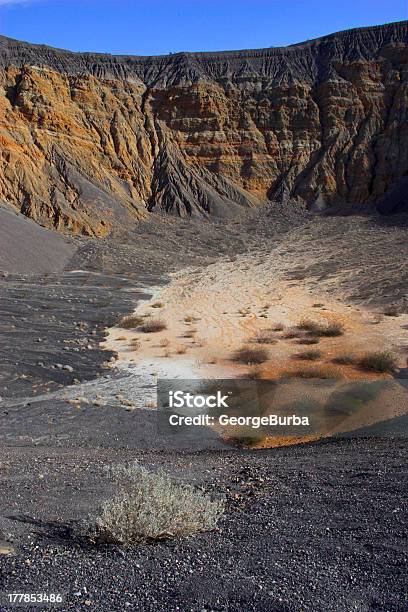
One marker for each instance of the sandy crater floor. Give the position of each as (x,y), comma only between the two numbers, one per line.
(210,313)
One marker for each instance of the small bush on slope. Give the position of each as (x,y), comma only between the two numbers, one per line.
(130,321)
(378,362)
(152,326)
(151,506)
(321,330)
(250,355)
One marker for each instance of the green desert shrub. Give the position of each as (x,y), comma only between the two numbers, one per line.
(378,362)
(151,506)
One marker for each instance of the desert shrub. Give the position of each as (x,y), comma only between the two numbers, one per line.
(135,343)
(366,391)
(151,506)
(264,336)
(152,326)
(291,333)
(344,359)
(189,319)
(307,325)
(331,330)
(181,350)
(321,330)
(308,340)
(131,321)
(311,355)
(157,305)
(250,354)
(378,362)
(353,398)
(343,404)
(164,342)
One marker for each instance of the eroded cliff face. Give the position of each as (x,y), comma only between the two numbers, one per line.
(91,143)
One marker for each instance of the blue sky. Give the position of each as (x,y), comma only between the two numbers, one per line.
(149,27)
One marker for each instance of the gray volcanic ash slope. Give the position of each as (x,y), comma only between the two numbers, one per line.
(90,143)
(27,248)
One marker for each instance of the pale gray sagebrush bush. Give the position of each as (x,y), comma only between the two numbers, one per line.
(151,506)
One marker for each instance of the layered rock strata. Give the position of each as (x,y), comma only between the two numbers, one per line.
(91,143)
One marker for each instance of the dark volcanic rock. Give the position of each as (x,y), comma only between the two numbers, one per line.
(307,61)
(316,527)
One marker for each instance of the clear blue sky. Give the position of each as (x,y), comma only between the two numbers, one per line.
(149,27)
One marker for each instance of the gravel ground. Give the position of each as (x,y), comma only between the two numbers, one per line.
(318,527)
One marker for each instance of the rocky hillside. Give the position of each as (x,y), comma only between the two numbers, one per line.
(90,143)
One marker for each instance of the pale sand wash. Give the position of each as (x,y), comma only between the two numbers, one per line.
(211,312)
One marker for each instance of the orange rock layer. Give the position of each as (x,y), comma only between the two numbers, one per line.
(91,144)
